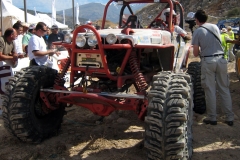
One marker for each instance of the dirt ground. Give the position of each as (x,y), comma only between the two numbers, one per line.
(119,136)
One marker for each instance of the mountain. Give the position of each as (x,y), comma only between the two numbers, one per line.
(217,9)
(46,5)
(94,11)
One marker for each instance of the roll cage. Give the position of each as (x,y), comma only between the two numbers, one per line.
(172,4)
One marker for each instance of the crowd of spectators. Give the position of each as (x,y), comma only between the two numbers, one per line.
(26,41)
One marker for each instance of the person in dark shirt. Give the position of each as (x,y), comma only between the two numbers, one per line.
(45,37)
(55,36)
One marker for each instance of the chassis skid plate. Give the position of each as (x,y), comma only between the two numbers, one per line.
(96,102)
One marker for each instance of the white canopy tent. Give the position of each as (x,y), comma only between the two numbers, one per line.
(48,20)
(11,14)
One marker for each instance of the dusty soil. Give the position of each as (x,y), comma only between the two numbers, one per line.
(119,136)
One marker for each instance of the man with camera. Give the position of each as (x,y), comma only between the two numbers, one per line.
(214,73)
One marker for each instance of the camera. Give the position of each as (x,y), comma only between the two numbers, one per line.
(191,23)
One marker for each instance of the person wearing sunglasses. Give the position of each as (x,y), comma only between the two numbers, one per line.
(55,36)
(37,49)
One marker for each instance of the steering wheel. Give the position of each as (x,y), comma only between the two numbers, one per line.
(157,22)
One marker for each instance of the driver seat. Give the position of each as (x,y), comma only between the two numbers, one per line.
(133,20)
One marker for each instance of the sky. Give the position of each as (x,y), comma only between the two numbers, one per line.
(46,5)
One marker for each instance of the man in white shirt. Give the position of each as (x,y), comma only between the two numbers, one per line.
(18,42)
(37,52)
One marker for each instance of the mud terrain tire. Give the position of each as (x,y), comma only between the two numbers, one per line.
(7,99)
(168,132)
(194,69)
(237,57)
(22,105)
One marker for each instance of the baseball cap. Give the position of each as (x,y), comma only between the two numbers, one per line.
(32,26)
(190,15)
(163,14)
(224,30)
(229,27)
(54,26)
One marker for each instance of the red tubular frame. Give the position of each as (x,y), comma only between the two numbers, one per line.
(102,105)
(98,104)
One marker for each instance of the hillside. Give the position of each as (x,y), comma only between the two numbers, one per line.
(217,9)
(94,12)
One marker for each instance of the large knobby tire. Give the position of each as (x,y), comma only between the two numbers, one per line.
(169,117)
(237,57)
(22,106)
(7,99)
(194,69)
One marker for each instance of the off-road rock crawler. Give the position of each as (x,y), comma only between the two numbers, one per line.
(103,64)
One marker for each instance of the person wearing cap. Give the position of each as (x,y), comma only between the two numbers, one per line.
(226,40)
(25,27)
(206,43)
(18,42)
(231,36)
(27,37)
(37,49)
(55,36)
(165,20)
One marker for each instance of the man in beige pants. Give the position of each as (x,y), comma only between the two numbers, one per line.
(214,74)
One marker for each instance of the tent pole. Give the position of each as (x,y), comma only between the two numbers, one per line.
(25,11)
(73,13)
(1,16)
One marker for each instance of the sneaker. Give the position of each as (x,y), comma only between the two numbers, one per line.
(206,121)
(230,123)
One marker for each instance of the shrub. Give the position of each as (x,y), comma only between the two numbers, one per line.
(234,12)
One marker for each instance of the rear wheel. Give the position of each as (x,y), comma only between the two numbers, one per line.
(194,69)
(238,63)
(169,117)
(24,114)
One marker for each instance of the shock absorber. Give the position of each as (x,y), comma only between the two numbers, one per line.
(138,76)
(59,79)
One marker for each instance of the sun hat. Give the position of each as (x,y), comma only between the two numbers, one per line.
(224,30)
(24,24)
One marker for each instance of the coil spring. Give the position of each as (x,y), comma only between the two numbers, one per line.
(138,76)
(59,79)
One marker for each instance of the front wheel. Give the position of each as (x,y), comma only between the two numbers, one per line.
(25,114)
(169,117)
